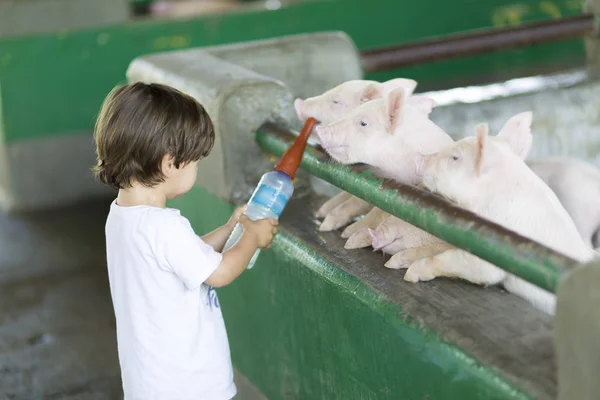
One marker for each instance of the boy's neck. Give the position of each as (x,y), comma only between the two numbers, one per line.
(138,195)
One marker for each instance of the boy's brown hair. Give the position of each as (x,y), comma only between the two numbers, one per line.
(139,124)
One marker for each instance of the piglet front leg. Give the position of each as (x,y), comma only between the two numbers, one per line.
(394,235)
(344,213)
(371,220)
(406,258)
(362,237)
(455,263)
(332,203)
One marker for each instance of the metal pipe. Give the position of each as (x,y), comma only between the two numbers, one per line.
(506,249)
(477,42)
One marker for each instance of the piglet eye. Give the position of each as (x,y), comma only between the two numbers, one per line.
(336,102)
(363,123)
(455,158)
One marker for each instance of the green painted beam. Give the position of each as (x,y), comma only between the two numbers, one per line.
(514,253)
(54,84)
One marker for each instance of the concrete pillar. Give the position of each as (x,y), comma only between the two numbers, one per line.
(592,43)
(577,328)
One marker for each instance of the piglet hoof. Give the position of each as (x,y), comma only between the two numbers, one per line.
(403,258)
(399,261)
(331,223)
(322,212)
(350,230)
(358,240)
(422,270)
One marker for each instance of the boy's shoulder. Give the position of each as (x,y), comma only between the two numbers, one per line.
(150,218)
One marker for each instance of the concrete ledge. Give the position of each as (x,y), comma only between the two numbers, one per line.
(307,64)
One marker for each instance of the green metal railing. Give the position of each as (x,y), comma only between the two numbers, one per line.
(508,250)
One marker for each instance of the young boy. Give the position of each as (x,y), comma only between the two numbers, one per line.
(172,343)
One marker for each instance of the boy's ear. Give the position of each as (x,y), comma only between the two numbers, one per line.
(167,164)
(481,156)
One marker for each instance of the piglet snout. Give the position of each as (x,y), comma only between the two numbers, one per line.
(298,103)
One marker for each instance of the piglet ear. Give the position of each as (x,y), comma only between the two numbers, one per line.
(517,132)
(298,105)
(409,85)
(423,104)
(480,156)
(394,107)
(371,92)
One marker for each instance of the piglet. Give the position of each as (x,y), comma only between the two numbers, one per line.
(394,235)
(487,175)
(577,186)
(385,134)
(574,182)
(337,102)
(331,106)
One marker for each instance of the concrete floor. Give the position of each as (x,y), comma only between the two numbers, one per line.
(57,330)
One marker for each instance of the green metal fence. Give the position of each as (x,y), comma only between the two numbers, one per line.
(508,250)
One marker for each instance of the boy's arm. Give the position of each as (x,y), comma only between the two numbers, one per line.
(194,261)
(217,238)
(234,261)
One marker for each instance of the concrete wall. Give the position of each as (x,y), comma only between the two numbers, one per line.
(30,17)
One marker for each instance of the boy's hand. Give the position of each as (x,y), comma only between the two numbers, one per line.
(263,230)
(236,216)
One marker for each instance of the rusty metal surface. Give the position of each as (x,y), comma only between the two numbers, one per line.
(515,253)
(478,42)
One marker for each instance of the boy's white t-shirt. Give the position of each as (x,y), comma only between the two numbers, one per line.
(172,342)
